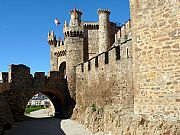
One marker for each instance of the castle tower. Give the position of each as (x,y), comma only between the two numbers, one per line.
(104,27)
(156,56)
(74,41)
(57,51)
(75,17)
(53,59)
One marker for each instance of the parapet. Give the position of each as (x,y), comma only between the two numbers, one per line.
(78,33)
(39,80)
(3,77)
(107,11)
(77,11)
(124,32)
(91,25)
(19,74)
(53,41)
(121,52)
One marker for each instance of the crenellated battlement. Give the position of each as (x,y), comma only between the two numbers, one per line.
(91,25)
(120,52)
(124,32)
(53,41)
(4,77)
(19,73)
(60,53)
(78,33)
(76,10)
(107,11)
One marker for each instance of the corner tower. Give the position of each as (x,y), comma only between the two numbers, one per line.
(74,41)
(104,27)
(53,58)
(57,51)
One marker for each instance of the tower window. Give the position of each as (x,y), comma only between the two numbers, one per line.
(106,58)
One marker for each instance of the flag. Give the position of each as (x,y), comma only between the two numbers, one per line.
(56,21)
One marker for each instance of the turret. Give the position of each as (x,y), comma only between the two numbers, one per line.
(74,41)
(104,30)
(75,17)
(56,49)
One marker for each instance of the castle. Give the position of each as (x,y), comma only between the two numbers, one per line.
(86,41)
(118,79)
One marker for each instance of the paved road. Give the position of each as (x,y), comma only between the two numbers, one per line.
(47,126)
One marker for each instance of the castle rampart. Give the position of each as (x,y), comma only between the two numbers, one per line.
(124,32)
(105,82)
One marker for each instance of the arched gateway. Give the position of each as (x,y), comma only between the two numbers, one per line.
(22,86)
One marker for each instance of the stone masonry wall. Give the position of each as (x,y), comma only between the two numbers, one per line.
(93,39)
(6,117)
(156,57)
(104,86)
(73,57)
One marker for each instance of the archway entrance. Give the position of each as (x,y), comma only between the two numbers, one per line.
(62,70)
(39,106)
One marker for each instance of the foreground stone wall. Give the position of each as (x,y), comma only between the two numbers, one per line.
(117,122)
(156,56)
(93,39)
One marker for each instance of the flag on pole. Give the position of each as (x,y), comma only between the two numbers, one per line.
(56,22)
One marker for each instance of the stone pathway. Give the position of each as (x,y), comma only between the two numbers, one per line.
(47,126)
(73,128)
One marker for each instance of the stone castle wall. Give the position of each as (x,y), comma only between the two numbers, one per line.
(22,86)
(104,86)
(92,36)
(156,57)
(124,32)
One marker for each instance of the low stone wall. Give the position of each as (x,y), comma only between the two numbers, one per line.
(6,117)
(115,121)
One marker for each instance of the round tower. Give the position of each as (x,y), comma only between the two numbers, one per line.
(104,26)
(74,41)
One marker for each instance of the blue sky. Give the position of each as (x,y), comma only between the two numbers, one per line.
(24,25)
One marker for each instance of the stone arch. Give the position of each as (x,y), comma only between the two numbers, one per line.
(62,70)
(55,97)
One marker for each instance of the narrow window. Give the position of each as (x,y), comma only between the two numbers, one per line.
(96,61)
(118,53)
(89,65)
(127,53)
(82,67)
(106,58)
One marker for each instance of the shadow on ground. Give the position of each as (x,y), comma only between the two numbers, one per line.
(36,126)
